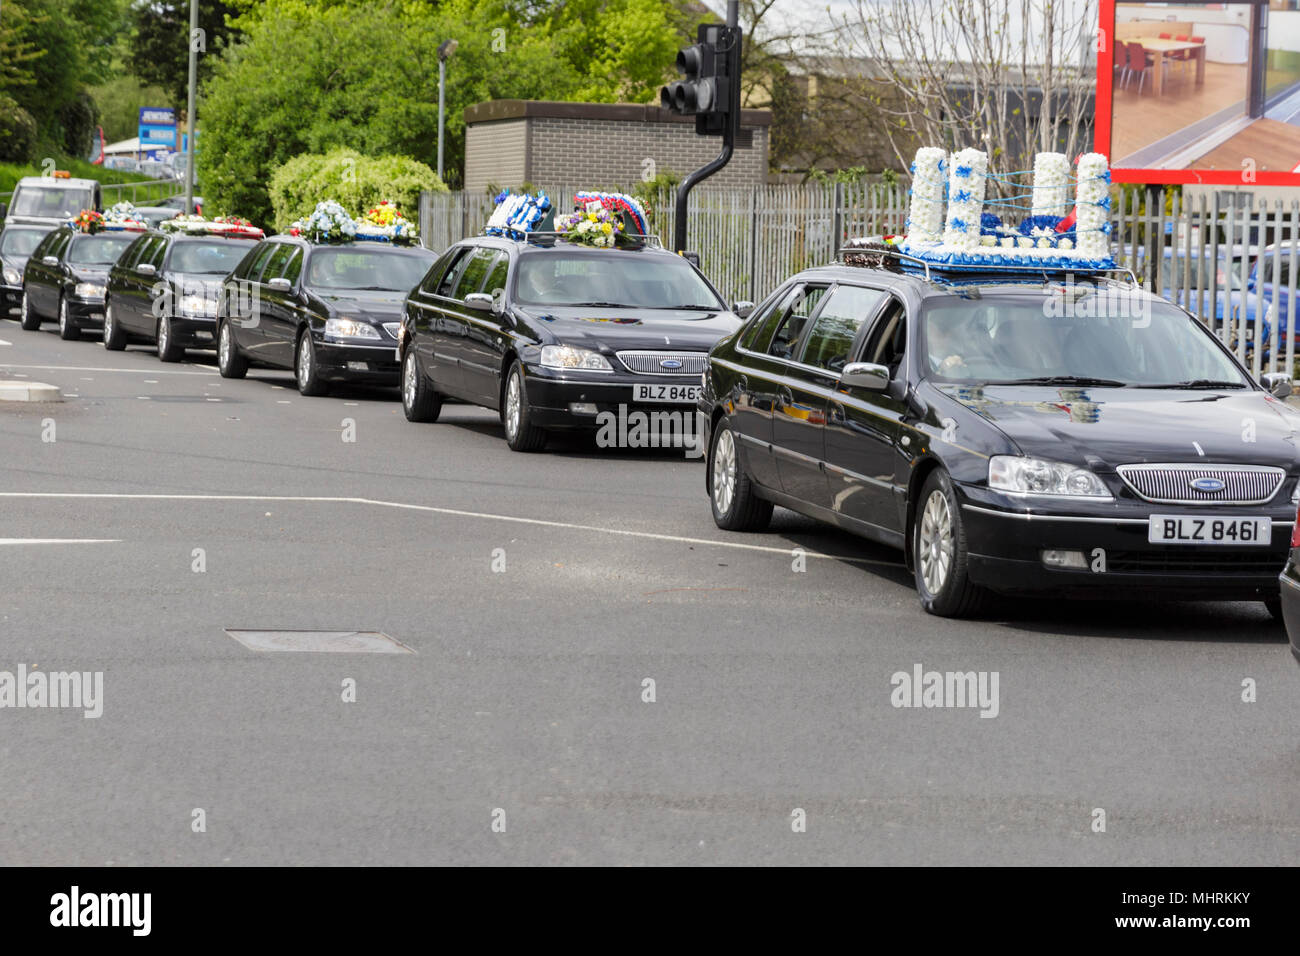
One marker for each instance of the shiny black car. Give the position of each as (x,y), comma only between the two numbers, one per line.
(552,334)
(16,245)
(1290,583)
(165,289)
(328,311)
(65,277)
(1009,435)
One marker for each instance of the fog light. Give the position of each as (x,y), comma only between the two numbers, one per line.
(1064,559)
(582,408)
(358,366)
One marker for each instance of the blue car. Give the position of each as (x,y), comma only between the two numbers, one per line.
(1268,290)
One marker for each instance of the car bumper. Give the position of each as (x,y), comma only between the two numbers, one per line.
(194,332)
(11,300)
(553,395)
(86,313)
(350,362)
(1006,539)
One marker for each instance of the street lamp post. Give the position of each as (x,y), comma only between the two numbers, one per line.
(445,49)
(189,112)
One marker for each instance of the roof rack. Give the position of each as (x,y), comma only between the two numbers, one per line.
(931,269)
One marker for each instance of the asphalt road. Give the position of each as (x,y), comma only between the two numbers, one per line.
(524,693)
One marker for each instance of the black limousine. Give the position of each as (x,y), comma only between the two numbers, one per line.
(1018,434)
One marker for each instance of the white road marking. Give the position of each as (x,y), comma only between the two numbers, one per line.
(453,512)
(282,401)
(96,368)
(5,342)
(60,540)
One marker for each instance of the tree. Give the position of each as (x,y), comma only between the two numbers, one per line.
(160,51)
(1013,77)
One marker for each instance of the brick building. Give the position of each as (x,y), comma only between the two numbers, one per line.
(604,145)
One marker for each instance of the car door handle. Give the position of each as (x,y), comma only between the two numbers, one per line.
(837,413)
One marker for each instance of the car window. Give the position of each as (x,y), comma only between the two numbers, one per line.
(846,310)
(60,243)
(887,340)
(20,242)
(277,262)
(794,321)
(156,252)
(447,282)
(50,202)
(206,257)
(132,254)
(255,270)
(366,266)
(1279,261)
(1007,339)
(612,278)
(497,274)
(475,271)
(98,250)
(293,268)
(758,331)
(429,284)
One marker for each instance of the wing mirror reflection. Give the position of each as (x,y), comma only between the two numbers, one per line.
(743,308)
(480,301)
(51,260)
(866,375)
(280,284)
(1277,383)
(148,269)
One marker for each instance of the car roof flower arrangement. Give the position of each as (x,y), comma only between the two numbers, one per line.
(954,219)
(195,225)
(591,225)
(89,221)
(329,222)
(383,223)
(517,214)
(122,215)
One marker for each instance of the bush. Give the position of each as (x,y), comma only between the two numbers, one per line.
(17,132)
(353,180)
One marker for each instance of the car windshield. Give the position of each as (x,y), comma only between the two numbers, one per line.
(20,242)
(612,278)
(1077,335)
(50,202)
(98,250)
(386,270)
(217,257)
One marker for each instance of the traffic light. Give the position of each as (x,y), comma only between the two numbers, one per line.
(710,75)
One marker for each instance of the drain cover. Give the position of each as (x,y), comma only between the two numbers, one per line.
(337,642)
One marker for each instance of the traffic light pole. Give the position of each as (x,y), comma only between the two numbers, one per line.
(728,133)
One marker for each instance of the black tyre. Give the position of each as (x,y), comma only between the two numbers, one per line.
(31,322)
(168,350)
(229,362)
(114,337)
(939,552)
(1274,607)
(68,329)
(736,506)
(306,370)
(521,433)
(420,402)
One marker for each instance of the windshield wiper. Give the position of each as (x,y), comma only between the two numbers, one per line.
(696,308)
(1197,383)
(598,305)
(1064,380)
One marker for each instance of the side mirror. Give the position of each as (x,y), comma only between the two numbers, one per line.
(1277,383)
(743,309)
(280,284)
(866,375)
(147,269)
(480,301)
(51,260)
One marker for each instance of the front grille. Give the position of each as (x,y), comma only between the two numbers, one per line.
(649,362)
(1171,484)
(1216,562)
(392,327)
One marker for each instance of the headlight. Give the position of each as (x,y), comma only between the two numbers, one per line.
(566,356)
(199,305)
(88,290)
(1033,476)
(13,277)
(350,328)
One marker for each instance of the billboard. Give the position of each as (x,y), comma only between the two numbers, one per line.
(157,128)
(1200,92)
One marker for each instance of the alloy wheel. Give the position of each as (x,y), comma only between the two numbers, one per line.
(304,360)
(514,403)
(935,544)
(724,472)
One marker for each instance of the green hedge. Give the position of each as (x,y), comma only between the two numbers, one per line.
(10,173)
(355,181)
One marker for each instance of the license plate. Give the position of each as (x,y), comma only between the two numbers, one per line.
(685,394)
(1206,529)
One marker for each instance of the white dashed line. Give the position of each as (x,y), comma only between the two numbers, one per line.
(452,512)
(96,368)
(60,540)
